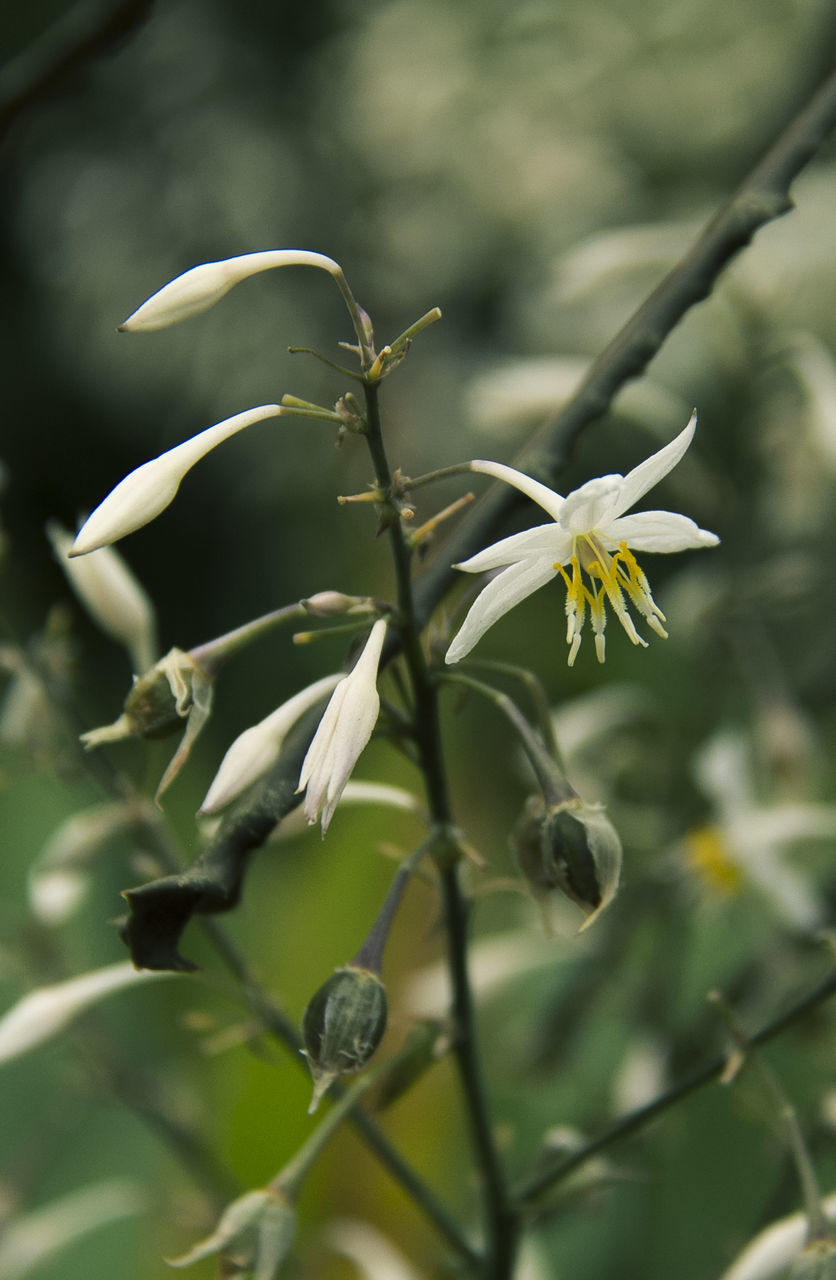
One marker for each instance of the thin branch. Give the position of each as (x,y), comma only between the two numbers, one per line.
(636,1120)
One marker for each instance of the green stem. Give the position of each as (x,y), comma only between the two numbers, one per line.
(501,1222)
(529,1192)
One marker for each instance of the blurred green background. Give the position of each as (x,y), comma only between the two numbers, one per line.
(532,170)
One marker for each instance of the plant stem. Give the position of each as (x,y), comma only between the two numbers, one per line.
(529,1192)
(501,1222)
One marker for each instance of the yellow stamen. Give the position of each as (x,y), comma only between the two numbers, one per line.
(710,858)
(618,575)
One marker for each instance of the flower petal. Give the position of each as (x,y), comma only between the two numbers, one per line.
(201,287)
(344,730)
(501,594)
(545,540)
(148,490)
(648,473)
(660,531)
(539,493)
(115,599)
(258,748)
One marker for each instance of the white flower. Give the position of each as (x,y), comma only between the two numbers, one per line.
(747,843)
(200,288)
(113,596)
(343,732)
(257,749)
(593,537)
(148,490)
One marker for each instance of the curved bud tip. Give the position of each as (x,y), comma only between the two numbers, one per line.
(200,288)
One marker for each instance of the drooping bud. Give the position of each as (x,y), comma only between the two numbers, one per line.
(148,490)
(342,1026)
(107,588)
(254,1234)
(200,288)
(571,847)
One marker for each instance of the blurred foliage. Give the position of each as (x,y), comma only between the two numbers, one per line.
(531,169)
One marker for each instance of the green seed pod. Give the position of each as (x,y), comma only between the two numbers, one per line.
(160,700)
(571,847)
(343,1025)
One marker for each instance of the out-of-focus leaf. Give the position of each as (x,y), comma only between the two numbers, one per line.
(34,1238)
(45,1012)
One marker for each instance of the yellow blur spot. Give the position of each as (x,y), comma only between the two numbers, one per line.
(711,860)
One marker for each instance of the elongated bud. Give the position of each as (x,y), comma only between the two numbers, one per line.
(200,288)
(257,749)
(333,604)
(571,847)
(148,490)
(114,598)
(343,1025)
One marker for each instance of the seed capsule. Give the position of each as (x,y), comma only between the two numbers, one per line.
(571,847)
(343,1025)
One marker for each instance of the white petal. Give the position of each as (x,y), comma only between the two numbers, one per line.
(343,732)
(593,505)
(258,748)
(113,596)
(786,823)
(659,531)
(45,1012)
(648,473)
(148,490)
(545,540)
(501,594)
(31,1240)
(772,1251)
(203,286)
(539,493)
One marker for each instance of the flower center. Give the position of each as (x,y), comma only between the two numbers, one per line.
(710,858)
(596,576)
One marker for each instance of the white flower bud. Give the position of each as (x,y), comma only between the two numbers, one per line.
(148,490)
(257,749)
(777,1247)
(112,595)
(199,289)
(343,732)
(332,604)
(45,1012)
(59,877)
